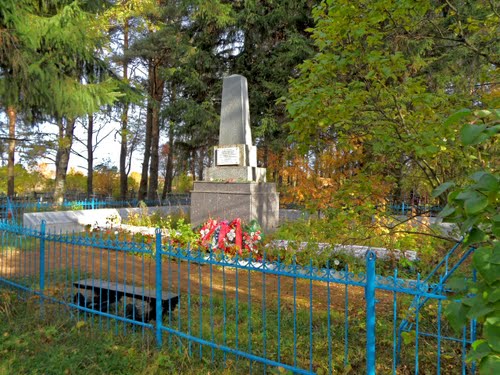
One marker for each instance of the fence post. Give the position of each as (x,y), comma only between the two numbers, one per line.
(42,259)
(158,288)
(370,312)
(473,327)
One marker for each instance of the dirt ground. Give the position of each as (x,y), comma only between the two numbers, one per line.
(65,264)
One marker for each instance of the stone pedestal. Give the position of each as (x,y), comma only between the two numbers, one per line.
(227,201)
(235,174)
(235,187)
(235,163)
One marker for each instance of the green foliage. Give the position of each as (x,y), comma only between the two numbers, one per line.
(274,41)
(183,183)
(76,182)
(177,225)
(386,76)
(54,43)
(347,227)
(475,207)
(26,182)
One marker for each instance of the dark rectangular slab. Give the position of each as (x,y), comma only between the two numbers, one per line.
(128,290)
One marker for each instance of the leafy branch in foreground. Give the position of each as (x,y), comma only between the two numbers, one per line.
(475,208)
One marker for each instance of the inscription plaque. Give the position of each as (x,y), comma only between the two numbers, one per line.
(228,156)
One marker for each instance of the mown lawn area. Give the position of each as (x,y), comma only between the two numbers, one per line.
(54,343)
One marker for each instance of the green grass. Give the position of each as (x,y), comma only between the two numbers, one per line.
(57,340)
(53,343)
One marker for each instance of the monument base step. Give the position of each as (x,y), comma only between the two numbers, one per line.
(235,174)
(227,201)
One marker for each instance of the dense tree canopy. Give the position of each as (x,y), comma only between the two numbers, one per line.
(386,77)
(371,85)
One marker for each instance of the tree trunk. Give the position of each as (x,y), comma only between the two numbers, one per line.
(11,112)
(170,161)
(157,94)
(169,165)
(62,158)
(155,144)
(124,127)
(143,186)
(165,187)
(201,163)
(90,157)
(169,174)
(192,165)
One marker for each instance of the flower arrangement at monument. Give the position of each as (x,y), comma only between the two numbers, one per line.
(233,238)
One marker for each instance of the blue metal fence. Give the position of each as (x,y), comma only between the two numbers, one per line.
(404,209)
(258,314)
(15,208)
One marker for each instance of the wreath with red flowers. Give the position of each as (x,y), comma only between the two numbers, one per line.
(232,237)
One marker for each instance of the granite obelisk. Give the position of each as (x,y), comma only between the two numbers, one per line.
(235,157)
(235,112)
(235,187)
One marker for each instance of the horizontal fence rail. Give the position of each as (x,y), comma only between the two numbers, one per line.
(257,315)
(15,208)
(12,209)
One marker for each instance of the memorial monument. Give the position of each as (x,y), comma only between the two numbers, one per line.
(235,187)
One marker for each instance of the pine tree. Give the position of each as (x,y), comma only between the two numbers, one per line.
(55,46)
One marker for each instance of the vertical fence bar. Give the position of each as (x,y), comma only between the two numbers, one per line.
(264,318)
(158,288)
(464,349)
(329,331)
(46,254)
(346,316)
(42,260)
(179,316)
(212,334)
(294,312)
(189,257)
(237,289)
(249,311)
(200,311)
(473,323)
(169,289)
(394,323)
(279,310)
(417,322)
(438,350)
(370,312)
(224,308)
(311,271)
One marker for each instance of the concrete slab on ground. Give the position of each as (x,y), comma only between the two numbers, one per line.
(77,221)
